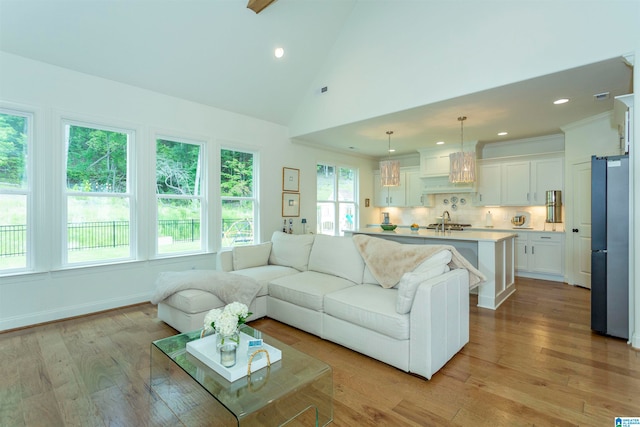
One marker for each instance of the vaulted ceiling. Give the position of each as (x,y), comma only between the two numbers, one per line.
(221,54)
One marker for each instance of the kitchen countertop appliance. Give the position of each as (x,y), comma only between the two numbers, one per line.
(554,208)
(521,220)
(610,245)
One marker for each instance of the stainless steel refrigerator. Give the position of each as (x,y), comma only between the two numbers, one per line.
(610,245)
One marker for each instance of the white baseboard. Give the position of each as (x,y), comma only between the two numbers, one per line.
(70,311)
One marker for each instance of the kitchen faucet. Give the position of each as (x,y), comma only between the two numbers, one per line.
(445,217)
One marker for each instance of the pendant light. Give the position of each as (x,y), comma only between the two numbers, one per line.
(462,166)
(390,169)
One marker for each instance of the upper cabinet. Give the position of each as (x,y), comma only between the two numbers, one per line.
(434,163)
(521,182)
(547,174)
(410,192)
(415,194)
(434,170)
(516,184)
(489,184)
(389,196)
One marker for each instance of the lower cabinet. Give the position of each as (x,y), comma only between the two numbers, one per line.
(540,255)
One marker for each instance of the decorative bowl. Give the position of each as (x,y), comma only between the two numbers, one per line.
(415,228)
(388,227)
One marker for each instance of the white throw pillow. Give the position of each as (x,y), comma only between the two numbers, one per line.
(338,256)
(251,256)
(408,286)
(291,250)
(437,260)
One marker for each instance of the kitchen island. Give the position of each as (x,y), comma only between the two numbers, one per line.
(490,252)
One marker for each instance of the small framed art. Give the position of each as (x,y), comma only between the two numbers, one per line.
(291,179)
(290,204)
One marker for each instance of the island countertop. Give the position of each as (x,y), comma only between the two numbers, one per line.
(491,252)
(473,236)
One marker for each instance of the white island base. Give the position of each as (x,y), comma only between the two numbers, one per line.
(490,252)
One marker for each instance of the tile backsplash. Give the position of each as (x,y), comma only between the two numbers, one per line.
(467,213)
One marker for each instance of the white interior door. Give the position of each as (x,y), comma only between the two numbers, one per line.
(581,231)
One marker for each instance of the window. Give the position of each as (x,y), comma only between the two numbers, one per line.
(337,209)
(97,194)
(238,197)
(15,190)
(180,204)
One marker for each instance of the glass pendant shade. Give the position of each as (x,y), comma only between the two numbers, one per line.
(462,167)
(390,173)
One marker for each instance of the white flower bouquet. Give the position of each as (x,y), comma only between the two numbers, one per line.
(227,320)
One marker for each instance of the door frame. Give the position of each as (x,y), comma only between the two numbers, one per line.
(571,241)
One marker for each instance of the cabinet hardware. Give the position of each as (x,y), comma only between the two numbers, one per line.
(545,237)
(533,250)
(575,230)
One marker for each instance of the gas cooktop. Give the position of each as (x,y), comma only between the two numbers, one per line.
(449,226)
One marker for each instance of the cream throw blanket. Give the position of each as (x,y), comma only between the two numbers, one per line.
(389,260)
(226,286)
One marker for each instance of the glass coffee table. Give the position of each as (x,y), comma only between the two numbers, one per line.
(297,387)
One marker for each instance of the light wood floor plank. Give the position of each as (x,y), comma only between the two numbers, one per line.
(534,361)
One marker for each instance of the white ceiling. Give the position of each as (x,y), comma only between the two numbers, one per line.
(218,53)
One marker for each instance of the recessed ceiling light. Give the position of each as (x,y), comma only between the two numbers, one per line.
(279,52)
(440,143)
(392,150)
(561,101)
(503,133)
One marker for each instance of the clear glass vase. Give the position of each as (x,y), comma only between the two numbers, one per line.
(227,346)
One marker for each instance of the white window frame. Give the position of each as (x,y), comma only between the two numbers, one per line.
(256,192)
(129,194)
(336,202)
(202,197)
(28,191)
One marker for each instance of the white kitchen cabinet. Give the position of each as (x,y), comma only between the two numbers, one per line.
(546,174)
(389,196)
(540,255)
(522,182)
(516,183)
(415,196)
(408,194)
(434,164)
(489,184)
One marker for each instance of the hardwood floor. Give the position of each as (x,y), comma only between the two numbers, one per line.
(534,361)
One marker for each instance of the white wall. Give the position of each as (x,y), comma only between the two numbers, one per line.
(593,136)
(52,92)
(394,56)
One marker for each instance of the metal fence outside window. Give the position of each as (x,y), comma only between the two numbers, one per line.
(13,240)
(91,235)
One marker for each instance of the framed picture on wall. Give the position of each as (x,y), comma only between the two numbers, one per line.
(290,179)
(290,204)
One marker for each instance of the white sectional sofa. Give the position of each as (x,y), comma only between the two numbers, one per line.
(321,284)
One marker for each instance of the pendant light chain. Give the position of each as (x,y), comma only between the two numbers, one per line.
(462,119)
